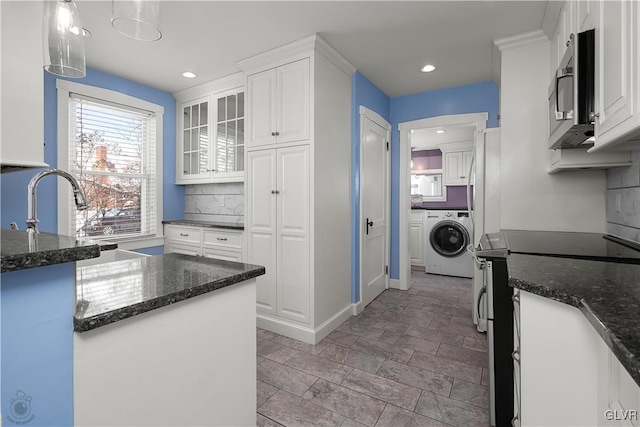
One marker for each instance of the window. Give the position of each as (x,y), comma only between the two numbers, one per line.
(113,143)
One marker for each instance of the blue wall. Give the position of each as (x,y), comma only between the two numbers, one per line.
(472,98)
(37,345)
(364,93)
(14,185)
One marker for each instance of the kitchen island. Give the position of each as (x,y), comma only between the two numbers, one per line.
(579,340)
(170,340)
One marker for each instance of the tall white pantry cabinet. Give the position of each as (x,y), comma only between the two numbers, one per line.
(297,187)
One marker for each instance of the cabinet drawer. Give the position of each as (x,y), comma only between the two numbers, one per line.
(183,234)
(222,238)
(222,254)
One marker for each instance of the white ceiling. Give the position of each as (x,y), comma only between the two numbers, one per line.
(387,41)
(428,138)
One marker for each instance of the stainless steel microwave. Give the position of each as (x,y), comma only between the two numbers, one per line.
(571,95)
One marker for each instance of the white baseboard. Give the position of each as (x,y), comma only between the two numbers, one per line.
(300,332)
(396,284)
(357,307)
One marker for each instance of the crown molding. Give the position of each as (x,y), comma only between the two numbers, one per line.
(521,40)
(293,51)
(213,86)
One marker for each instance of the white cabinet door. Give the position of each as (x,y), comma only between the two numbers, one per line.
(261,108)
(615,67)
(467,157)
(456,167)
(452,167)
(261,224)
(279,105)
(192,161)
(416,242)
(293,102)
(222,254)
(293,233)
(179,248)
(22,106)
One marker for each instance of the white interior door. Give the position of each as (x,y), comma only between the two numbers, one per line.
(374,204)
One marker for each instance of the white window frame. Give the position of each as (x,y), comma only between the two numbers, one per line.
(64,189)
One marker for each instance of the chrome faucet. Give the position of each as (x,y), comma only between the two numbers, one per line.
(78,195)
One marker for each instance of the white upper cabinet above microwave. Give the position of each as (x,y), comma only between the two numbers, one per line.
(210,132)
(617,75)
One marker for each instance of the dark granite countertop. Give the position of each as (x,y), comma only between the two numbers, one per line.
(210,224)
(607,293)
(21,250)
(113,291)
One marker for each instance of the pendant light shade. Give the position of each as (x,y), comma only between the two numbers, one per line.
(63,39)
(138,19)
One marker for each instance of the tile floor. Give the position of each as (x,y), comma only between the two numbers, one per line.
(411,358)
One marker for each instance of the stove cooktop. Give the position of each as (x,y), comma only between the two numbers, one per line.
(594,246)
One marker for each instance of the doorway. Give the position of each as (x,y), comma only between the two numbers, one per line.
(407,129)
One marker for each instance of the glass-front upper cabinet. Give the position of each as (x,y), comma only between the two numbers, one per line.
(210,146)
(195,139)
(229,139)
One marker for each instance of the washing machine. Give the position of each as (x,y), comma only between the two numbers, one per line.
(448,233)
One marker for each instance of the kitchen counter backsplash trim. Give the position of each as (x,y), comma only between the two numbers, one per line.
(607,293)
(21,251)
(107,293)
(209,224)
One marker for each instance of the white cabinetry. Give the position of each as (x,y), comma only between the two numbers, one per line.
(279,229)
(417,237)
(568,374)
(210,132)
(22,130)
(279,107)
(456,166)
(617,75)
(217,243)
(297,188)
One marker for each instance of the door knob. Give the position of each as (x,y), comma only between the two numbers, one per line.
(369,224)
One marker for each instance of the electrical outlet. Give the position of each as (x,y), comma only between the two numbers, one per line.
(221,201)
(618,202)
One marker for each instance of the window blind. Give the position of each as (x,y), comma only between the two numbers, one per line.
(112,150)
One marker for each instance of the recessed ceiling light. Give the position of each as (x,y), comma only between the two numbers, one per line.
(440,131)
(427,68)
(189,75)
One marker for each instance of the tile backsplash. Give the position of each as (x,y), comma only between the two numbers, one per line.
(623,200)
(214,202)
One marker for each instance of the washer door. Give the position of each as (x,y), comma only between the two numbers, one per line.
(449,238)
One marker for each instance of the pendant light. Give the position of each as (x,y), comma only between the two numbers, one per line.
(63,39)
(138,19)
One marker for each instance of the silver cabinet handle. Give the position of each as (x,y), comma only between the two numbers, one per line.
(273,134)
(275,192)
(223,239)
(277,133)
(184,235)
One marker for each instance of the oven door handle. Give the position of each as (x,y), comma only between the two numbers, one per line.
(482,292)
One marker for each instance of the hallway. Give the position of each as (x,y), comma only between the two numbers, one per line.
(411,358)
